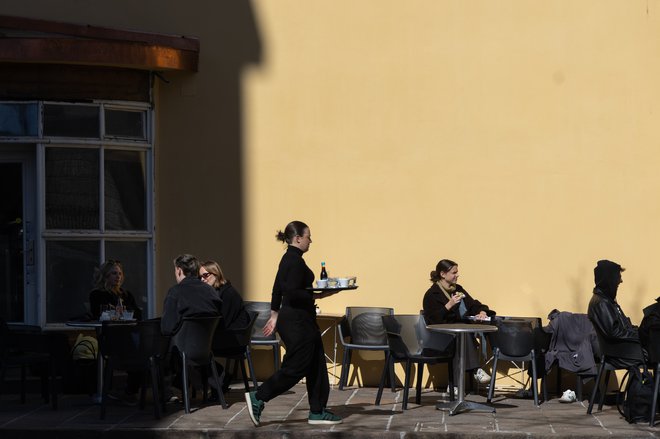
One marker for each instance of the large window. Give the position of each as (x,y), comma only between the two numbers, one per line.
(94,183)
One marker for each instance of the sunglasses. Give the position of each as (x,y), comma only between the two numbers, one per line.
(206,275)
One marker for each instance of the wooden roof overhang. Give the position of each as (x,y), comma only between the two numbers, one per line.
(27,40)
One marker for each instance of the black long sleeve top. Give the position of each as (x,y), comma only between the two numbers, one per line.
(292,277)
(99,296)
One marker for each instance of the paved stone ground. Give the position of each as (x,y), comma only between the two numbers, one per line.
(286,417)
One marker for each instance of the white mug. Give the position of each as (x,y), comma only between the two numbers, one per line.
(322,283)
(342,282)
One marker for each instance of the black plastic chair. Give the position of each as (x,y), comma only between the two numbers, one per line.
(654,359)
(364,327)
(515,340)
(410,342)
(134,346)
(258,338)
(193,343)
(611,351)
(234,344)
(27,347)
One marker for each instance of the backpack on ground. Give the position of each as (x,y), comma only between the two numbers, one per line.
(637,395)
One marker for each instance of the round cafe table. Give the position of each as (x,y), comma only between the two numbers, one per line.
(461,330)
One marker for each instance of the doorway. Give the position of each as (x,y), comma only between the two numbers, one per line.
(17,221)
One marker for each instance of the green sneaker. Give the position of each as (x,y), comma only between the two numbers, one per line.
(254,406)
(323,418)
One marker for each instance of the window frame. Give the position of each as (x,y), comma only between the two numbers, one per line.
(35,312)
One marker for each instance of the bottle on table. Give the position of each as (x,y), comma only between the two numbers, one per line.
(324,274)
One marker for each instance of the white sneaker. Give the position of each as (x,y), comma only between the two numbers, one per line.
(568,397)
(481,376)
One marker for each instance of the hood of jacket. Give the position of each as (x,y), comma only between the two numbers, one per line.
(607,276)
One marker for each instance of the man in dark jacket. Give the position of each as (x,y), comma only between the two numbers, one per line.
(190,297)
(608,318)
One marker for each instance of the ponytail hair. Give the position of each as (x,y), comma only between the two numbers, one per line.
(443,266)
(293,229)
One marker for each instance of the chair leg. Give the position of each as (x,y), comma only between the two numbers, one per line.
(654,404)
(578,387)
(246,381)
(496,355)
(535,385)
(392,376)
(248,355)
(406,383)
(418,388)
(153,369)
(596,386)
(602,395)
(277,354)
(386,368)
(345,362)
(184,373)
(218,382)
(107,374)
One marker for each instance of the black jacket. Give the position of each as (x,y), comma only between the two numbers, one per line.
(435,311)
(189,298)
(234,315)
(609,321)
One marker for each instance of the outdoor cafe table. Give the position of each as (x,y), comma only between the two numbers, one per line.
(461,330)
(96,325)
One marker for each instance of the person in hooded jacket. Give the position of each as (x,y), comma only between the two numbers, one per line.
(608,318)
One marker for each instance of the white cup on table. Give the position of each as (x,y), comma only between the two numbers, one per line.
(322,283)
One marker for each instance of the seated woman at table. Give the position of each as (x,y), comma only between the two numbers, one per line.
(448,302)
(234,315)
(108,280)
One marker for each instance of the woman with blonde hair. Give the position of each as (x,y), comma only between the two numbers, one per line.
(108,281)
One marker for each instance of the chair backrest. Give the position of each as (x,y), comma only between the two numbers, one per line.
(195,338)
(403,334)
(436,341)
(514,337)
(365,326)
(654,344)
(239,338)
(619,348)
(263,315)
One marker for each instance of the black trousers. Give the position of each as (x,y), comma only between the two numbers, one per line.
(304,358)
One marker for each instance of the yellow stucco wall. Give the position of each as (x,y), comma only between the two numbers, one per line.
(518,138)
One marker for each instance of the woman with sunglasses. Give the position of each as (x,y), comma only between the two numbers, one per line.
(234,315)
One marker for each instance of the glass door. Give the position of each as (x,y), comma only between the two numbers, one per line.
(17,229)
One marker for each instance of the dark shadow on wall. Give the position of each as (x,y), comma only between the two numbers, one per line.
(201,192)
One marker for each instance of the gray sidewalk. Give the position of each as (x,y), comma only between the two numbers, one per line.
(286,416)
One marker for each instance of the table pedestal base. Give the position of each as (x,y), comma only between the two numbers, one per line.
(457,407)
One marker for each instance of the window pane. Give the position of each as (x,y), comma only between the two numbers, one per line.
(125,205)
(72,188)
(19,119)
(126,124)
(69,277)
(133,257)
(71,121)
